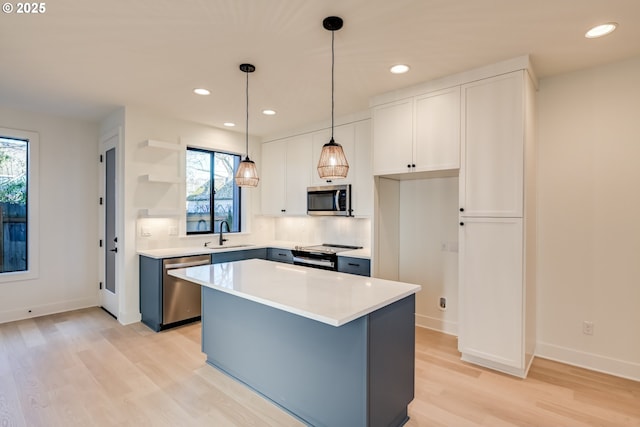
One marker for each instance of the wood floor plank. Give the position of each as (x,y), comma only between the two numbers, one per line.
(83,368)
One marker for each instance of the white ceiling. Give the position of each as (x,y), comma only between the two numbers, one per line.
(85,58)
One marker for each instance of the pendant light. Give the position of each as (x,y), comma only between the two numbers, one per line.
(333,163)
(247,174)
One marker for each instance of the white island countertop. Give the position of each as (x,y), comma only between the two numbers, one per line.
(325,296)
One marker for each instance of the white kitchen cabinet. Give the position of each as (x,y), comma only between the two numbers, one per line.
(343,135)
(497,224)
(437,131)
(393,137)
(363,188)
(418,134)
(490,324)
(491,179)
(272,181)
(286,176)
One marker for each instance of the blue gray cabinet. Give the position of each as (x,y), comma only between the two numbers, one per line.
(151,292)
(220,257)
(164,300)
(359,266)
(280,255)
(360,374)
(152,289)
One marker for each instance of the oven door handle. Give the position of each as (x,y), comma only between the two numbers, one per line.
(313,261)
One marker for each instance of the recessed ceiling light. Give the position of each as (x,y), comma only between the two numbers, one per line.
(399,69)
(229,124)
(601,30)
(269,112)
(201,91)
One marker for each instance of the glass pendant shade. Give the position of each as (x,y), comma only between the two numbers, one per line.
(247,174)
(333,163)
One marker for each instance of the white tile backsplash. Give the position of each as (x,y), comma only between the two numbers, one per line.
(314,230)
(159,233)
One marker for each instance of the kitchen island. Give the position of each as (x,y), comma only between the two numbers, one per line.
(331,348)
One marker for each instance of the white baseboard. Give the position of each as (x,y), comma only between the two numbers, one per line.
(45,309)
(444,326)
(594,362)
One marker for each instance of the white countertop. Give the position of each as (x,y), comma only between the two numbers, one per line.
(325,296)
(201,250)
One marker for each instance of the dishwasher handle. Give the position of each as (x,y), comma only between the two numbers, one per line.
(185,264)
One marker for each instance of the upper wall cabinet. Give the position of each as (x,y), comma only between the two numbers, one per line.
(418,134)
(493,142)
(289,166)
(393,137)
(286,175)
(362,192)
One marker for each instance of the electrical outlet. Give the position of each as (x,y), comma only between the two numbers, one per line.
(442,303)
(587,327)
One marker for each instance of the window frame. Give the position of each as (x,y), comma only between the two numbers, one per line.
(237,191)
(33,208)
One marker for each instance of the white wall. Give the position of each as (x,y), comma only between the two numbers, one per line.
(429,248)
(589,231)
(68,237)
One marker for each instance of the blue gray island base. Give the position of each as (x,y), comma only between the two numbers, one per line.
(358,374)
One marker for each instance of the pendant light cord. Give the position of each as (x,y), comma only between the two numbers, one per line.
(333,33)
(247,121)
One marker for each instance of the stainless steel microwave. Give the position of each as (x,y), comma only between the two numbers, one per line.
(333,200)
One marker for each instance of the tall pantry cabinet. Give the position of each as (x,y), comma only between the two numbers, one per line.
(492,136)
(497,216)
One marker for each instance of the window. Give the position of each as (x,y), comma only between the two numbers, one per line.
(212,194)
(18,204)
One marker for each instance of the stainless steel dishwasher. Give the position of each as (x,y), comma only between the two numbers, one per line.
(181,301)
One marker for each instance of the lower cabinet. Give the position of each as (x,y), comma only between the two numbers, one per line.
(359,266)
(493,324)
(280,255)
(153,278)
(166,301)
(221,257)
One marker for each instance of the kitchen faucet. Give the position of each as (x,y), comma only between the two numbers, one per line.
(228,231)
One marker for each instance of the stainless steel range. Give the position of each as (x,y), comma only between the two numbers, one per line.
(324,256)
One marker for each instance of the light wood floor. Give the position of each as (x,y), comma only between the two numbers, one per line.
(83,369)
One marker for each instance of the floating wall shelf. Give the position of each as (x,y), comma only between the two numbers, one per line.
(153,212)
(152,143)
(161,179)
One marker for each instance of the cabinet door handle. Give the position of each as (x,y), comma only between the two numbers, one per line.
(413,165)
(113,250)
(281,254)
(283,210)
(353,264)
(461,209)
(462,223)
(408,166)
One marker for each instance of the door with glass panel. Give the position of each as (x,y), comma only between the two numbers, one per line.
(109,253)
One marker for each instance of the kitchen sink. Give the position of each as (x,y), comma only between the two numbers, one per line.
(217,248)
